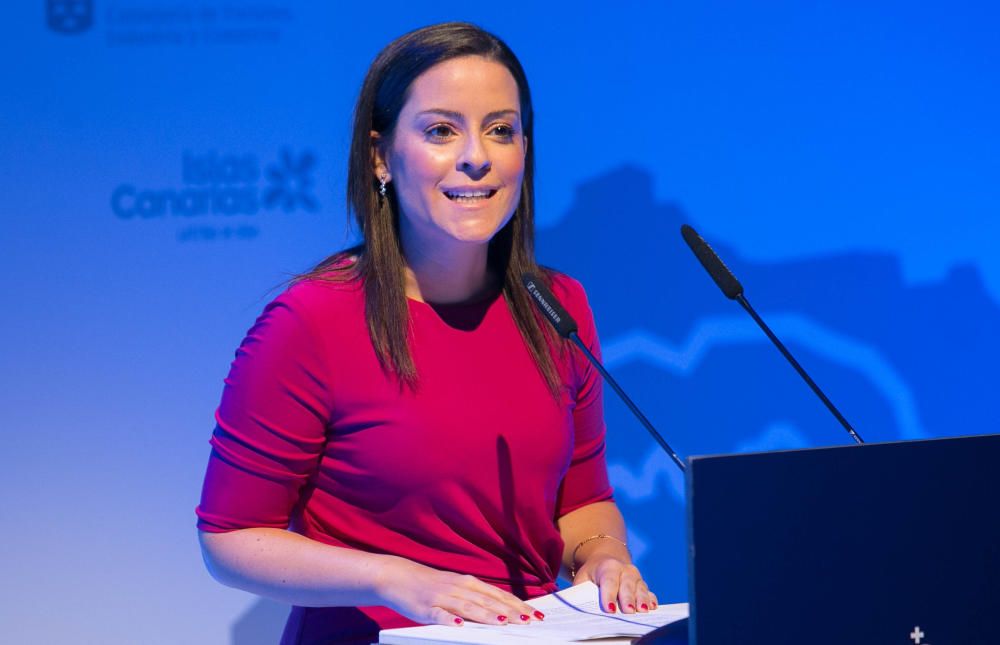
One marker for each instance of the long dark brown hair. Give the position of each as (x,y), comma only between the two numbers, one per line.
(378,260)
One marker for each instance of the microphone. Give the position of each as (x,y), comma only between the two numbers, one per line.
(730,286)
(566,327)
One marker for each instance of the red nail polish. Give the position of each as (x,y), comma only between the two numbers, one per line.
(459,621)
(501,618)
(612,608)
(644,606)
(525,618)
(539,615)
(631,606)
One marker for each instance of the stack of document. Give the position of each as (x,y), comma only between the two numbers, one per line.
(571,616)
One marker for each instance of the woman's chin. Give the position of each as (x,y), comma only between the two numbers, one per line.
(474,234)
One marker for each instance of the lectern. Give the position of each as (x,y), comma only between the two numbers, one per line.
(879,543)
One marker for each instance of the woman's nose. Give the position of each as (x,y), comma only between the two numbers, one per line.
(474,160)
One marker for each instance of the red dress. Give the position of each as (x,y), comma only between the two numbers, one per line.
(468,473)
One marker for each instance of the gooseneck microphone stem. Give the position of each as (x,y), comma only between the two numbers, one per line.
(552,311)
(624,397)
(740,298)
(733,290)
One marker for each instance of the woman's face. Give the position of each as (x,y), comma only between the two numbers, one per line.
(456,158)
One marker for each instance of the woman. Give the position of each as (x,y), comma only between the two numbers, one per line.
(436,451)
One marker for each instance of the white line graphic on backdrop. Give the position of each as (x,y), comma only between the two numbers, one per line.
(711,332)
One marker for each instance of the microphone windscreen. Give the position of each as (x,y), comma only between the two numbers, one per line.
(549,307)
(712,263)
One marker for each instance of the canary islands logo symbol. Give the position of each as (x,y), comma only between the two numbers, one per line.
(290,182)
(69,16)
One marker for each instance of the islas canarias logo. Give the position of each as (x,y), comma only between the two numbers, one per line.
(69,16)
(224,184)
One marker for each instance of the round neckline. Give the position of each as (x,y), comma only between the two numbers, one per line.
(456,306)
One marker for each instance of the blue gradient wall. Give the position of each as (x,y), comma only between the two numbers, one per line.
(170,163)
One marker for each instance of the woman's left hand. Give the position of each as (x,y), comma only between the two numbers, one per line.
(621,584)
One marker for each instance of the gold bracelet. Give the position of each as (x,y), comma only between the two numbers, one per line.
(572,569)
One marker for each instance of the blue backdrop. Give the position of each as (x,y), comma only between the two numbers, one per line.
(167,163)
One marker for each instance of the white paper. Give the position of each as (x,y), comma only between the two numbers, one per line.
(571,615)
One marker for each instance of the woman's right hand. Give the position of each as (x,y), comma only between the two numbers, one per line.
(429,596)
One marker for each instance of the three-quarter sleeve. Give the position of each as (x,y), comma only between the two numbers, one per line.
(586,481)
(271,423)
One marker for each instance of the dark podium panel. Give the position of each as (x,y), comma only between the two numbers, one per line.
(880,543)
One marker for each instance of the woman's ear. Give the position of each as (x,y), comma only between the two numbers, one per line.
(379,164)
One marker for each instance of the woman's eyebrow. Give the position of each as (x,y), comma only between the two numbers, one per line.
(457,116)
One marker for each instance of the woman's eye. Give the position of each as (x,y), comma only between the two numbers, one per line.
(440,132)
(504,131)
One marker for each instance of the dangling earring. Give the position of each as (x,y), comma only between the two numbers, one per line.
(381,187)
